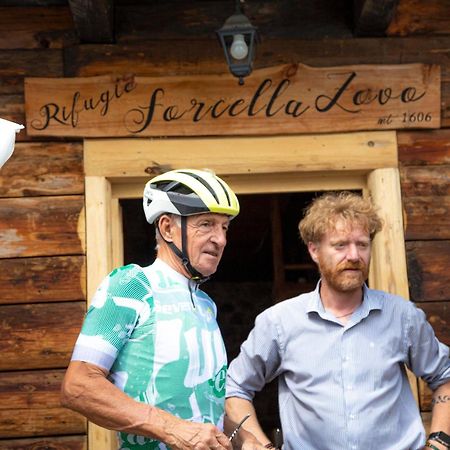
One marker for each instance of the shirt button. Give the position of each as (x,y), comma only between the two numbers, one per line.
(349,388)
(352,416)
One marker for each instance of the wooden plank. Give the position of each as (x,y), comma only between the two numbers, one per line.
(15,65)
(39,336)
(30,406)
(288,99)
(196,20)
(427,217)
(361,151)
(422,181)
(418,17)
(264,183)
(53,168)
(438,314)
(99,240)
(41,226)
(428,263)
(431,147)
(47,443)
(46,279)
(372,17)
(94,21)
(36,28)
(156,58)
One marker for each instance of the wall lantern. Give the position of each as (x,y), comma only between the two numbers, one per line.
(237,37)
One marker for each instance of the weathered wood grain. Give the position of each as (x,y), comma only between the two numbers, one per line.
(422,181)
(39,336)
(51,168)
(428,270)
(438,314)
(36,28)
(19,63)
(416,17)
(46,279)
(426,217)
(47,443)
(41,226)
(94,21)
(431,147)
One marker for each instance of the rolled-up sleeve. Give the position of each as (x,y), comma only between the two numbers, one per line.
(258,361)
(428,358)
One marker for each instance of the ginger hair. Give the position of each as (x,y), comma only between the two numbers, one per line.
(325,211)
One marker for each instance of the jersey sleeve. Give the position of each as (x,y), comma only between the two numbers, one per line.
(112,316)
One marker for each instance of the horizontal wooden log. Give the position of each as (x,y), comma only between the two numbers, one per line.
(427,217)
(39,336)
(43,169)
(41,226)
(421,181)
(47,443)
(47,279)
(17,64)
(438,314)
(428,270)
(424,147)
(36,28)
(30,406)
(417,17)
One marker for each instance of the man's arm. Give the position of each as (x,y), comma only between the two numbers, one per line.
(440,418)
(236,408)
(86,389)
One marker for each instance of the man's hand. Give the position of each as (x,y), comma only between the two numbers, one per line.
(184,435)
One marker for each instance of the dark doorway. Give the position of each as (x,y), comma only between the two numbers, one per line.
(264,262)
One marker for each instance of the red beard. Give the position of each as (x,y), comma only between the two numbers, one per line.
(346,276)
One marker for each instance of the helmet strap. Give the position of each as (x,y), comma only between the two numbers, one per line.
(183,254)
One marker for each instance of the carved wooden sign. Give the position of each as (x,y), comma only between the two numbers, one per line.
(277,100)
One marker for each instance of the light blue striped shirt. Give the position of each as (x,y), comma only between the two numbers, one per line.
(342,387)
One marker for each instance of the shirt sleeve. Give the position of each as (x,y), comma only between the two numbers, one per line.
(427,357)
(112,316)
(258,361)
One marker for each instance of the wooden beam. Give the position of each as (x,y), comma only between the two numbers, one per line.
(372,17)
(364,151)
(94,20)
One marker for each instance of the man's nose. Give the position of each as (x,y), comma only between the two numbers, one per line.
(219,236)
(352,253)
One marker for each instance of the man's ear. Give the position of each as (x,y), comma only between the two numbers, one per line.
(313,249)
(165,226)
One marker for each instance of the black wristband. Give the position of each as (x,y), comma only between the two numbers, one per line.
(440,437)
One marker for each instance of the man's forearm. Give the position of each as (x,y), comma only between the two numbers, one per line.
(440,419)
(236,408)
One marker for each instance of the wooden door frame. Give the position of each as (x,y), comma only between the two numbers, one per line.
(118,168)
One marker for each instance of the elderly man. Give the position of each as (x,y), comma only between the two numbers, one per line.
(340,351)
(150,361)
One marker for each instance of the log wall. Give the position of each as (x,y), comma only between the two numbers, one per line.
(42,236)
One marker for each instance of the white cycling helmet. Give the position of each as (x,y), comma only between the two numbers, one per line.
(187,192)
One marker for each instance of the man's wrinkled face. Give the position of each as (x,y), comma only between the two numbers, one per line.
(206,240)
(343,256)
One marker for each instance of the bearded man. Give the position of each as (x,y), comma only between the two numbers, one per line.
(340,351)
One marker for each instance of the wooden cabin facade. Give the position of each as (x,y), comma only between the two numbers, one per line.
(68,204)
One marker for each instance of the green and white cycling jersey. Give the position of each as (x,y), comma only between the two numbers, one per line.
(160,345)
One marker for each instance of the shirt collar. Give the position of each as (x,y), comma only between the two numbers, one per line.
(370,302)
